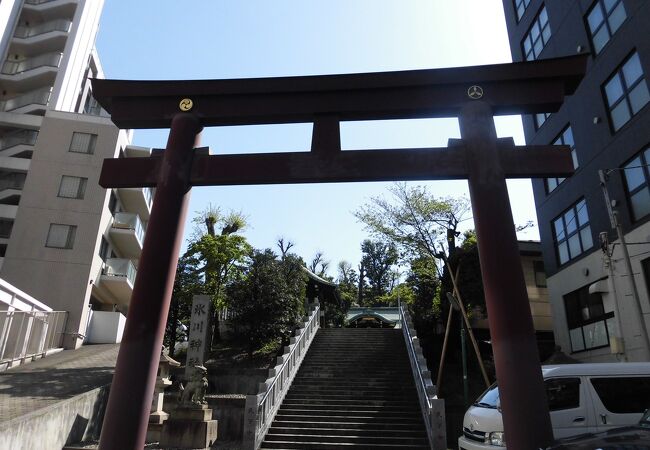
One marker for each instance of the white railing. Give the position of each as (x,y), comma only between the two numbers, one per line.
(37,2)
(433,408)
(36,30)
(129,221)
(29,335)
(18,137)
(119,267)
(44,60)
(261,408)
(37,97)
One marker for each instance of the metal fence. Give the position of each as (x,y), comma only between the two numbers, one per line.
(29,334)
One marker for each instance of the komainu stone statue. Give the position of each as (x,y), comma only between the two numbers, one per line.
(194,393)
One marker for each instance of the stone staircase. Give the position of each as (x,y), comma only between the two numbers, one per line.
(355,390)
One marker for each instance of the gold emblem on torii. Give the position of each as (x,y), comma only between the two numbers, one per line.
(186,104)
(475,92)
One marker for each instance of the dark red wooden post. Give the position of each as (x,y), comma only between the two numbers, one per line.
(129,403)
(526,420)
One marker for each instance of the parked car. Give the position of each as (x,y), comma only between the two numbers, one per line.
(582,398)
(632,437)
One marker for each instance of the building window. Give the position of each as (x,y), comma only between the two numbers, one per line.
(572,232)
(520,8)
(61,236)
(603,19)
(72,187)
(539,119)
(83,143)
(626,92)
(637,181)
(537,36)
(587,320)
(565,138)
(540,273)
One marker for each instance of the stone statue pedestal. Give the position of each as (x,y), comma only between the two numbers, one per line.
(158,416)
(189,427)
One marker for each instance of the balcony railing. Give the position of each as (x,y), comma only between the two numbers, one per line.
(37,97)
(18,137)
(37,2)
(29,334)
(148,196)
(129,221)
(44,60)
(119,267)
(25,32)
(12,181)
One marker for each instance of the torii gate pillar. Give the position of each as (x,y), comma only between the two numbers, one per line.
(129,404)
(516,356)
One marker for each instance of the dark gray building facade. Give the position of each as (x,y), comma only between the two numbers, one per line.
(607,124)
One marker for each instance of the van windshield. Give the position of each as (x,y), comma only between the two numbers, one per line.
(489,398)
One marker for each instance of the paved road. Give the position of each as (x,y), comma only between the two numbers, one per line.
(39,384)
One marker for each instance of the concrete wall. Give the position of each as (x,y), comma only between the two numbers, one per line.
(71,421)
(106,327)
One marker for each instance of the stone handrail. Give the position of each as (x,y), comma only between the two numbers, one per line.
(261,408)
(433,408)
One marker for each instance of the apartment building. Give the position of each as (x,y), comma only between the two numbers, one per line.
(607,125)
(63,239)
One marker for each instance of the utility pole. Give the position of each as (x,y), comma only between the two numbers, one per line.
(613,217)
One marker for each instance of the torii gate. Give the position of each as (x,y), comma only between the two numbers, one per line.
(473,94)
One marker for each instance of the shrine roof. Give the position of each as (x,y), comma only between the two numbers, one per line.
(385,314)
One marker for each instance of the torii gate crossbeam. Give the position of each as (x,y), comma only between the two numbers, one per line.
(473,94)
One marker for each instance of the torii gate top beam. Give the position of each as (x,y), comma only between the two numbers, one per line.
(519,88)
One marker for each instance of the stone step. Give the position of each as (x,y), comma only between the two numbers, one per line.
(349,431)
(338,422)
(356,401)
(359,389)
(316,396)
(354,389)
(286,445)
(368,416)
(294,404)
(324,381)
(308,438)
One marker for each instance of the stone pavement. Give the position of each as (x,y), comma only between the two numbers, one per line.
(30,387)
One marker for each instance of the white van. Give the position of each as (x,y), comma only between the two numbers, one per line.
(583,398)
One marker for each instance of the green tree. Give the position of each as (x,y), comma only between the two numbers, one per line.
(378,258)
(425,284)
(186,284)
(414,220)
(267,301)
(348,282)
(470,282)
(218,255)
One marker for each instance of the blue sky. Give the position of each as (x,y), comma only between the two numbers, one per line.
(171,39)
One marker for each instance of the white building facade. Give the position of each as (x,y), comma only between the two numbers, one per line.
(64,240)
